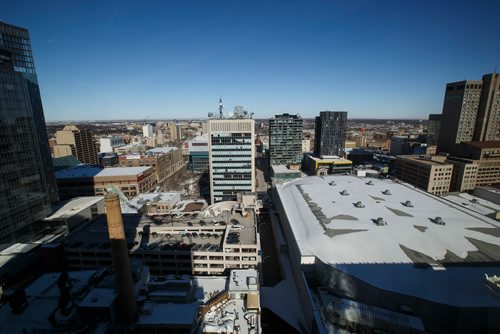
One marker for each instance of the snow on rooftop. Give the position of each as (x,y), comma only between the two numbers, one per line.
(332,227)
(122,171)
(243,280)
(75,206)
(346,223)
(473,203)
(43,297)
(163,150)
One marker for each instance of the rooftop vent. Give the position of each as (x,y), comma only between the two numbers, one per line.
(386,192)
(332,183)
(344,193)
(379,221)
(474,200)
(408,204)
(359,204)
(370,183)
(438,220)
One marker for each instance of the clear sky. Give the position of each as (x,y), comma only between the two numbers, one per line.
(173,59)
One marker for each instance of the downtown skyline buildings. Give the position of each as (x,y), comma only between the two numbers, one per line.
(471,112)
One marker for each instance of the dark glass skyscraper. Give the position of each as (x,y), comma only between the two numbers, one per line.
(27,184)
(330,133)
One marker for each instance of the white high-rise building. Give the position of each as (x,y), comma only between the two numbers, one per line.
(147,130)
(108,144)
(231,158)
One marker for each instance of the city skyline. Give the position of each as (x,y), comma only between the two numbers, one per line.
(166,61)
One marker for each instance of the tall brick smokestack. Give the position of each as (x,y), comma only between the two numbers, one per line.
(127,307)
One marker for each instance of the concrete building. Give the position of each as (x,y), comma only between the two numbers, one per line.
(180,133)
(161,203)
(464,175)
(77,181)
(77,142)
(77,211)
(306,145)
(231,158)
(195,241)
(285,139)
(164,160)
(130,180)
(488,118)
(385,256)
(108,144)
(488,155)
(325,165)
(433,126)
(198,154)
(330,133)
(471,111)
(131,148)
(18,71)
(172,131)
(431,174)
(147,130)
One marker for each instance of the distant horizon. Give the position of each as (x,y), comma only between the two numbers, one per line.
(152,120)
(167,60)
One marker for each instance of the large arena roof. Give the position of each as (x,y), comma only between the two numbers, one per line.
(359,224)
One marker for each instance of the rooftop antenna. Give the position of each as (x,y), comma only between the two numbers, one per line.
(221,106)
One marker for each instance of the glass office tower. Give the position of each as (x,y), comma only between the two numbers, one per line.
(27,184)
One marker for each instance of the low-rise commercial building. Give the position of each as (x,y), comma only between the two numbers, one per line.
(488,155)
(328,164)
(130,180)
(165,161)
(431,174)
(77,211)
(464,174)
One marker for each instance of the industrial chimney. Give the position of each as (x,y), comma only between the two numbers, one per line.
(127,307)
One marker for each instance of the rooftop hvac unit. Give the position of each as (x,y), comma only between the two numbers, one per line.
(386,192)
(379,221)
(344,193)
(408,204)
(438,220)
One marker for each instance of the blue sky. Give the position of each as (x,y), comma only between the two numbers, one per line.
(173,59)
